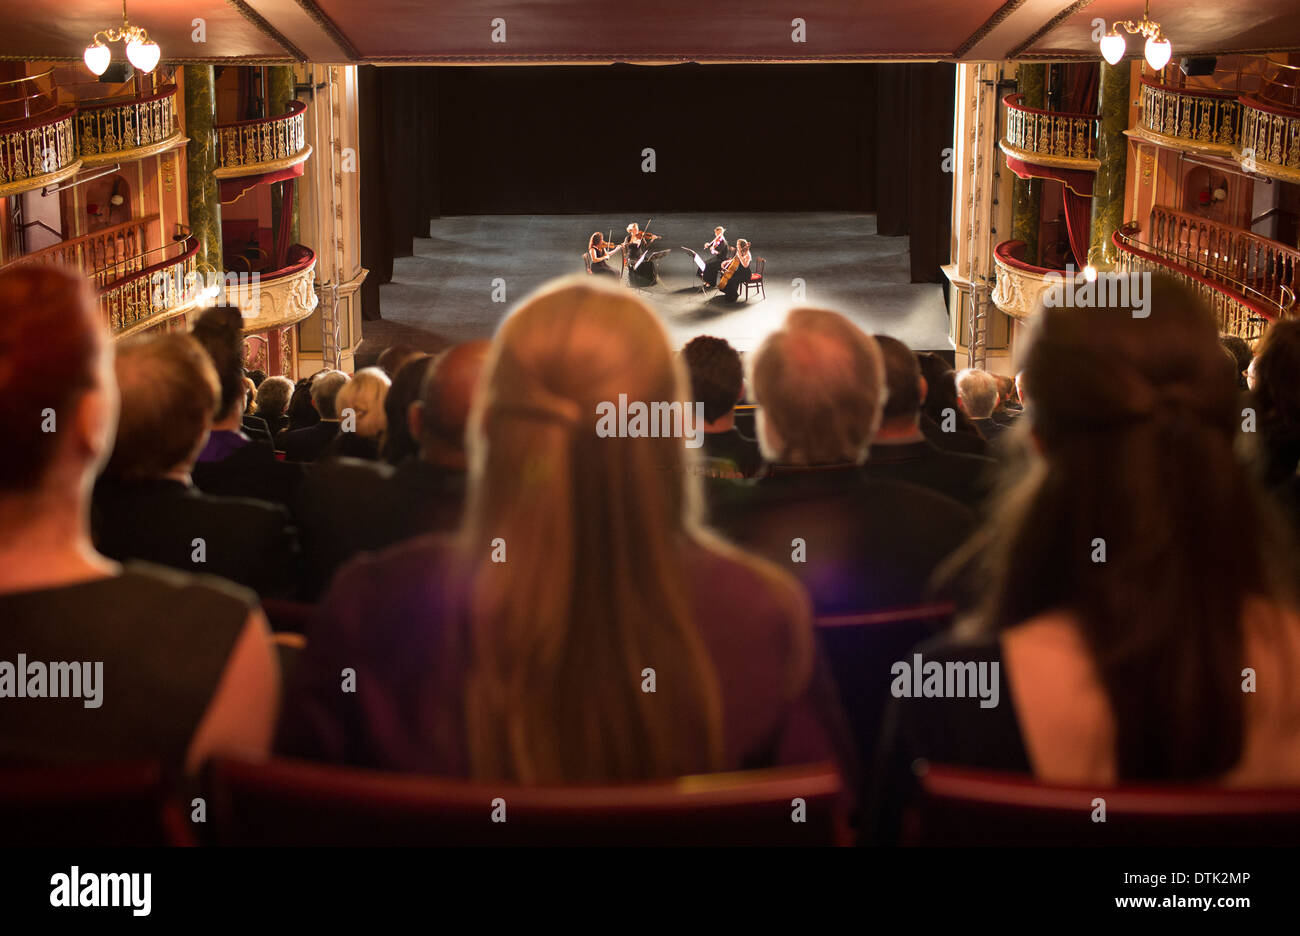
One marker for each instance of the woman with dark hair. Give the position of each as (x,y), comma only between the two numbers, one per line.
(942,419)
(1276,375)
(182,664)
(398,442)
(600,252)
(1132,577)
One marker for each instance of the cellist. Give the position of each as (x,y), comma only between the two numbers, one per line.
(736,271)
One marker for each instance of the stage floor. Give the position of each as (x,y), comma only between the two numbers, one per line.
(443,294)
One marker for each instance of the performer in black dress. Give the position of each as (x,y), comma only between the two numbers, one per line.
(717,249)
(736,271)
(635,246)
(600,251)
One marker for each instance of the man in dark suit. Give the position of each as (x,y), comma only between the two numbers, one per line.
(900,449)
(347,505)
(718,382)
(305,445)
(857,543)
(146,508)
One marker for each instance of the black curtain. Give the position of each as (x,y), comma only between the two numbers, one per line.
(568,139)
(913,140)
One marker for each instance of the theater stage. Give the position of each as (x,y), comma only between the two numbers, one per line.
(444,293)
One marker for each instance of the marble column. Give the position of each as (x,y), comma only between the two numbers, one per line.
(200,161)
(1112,152)
(1031,81)
(280,94)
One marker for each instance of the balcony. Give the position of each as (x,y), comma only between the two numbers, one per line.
(256,147)
(281,297)
(124,129)
(1019,286)
(38,146)
(144,291)
(1050,138)
(1194,120)
(1248,280)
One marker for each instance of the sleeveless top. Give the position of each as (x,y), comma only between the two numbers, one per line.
(156,641)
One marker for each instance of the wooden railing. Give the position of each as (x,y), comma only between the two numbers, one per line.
(119,129)
(24,98)
(1241,309)
(108,248)
(1236,254)
(1050,137)
(262,145)
(37,151)
(1202,118)
(1269,139)
(153,294)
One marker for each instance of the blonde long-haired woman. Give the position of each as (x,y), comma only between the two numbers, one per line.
(582,627)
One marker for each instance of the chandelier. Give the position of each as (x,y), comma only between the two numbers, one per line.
(142,51)
(1158,50)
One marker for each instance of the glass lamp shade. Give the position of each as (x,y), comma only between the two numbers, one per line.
(143,55)
(1090,273)
(1158,53)
(97,58)
(1112,48)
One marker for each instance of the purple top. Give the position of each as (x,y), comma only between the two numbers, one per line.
(382,618)
(222,444)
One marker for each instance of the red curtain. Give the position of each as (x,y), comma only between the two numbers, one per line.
(1078,200)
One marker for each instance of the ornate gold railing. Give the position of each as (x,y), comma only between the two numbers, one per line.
(251,147)
(152,295)
(1188,118)
(1241,308)
(1269,140)
(1051,138)
(1220,249)
(37,151)
(133,128)
(279,297)
(105,248)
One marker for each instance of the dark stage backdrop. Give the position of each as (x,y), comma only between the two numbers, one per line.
(569,139)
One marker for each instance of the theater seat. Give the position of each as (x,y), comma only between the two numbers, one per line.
(90,805)
(958,806)
(288,802)
(861,649)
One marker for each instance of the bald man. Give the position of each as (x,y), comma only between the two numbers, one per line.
(348,506)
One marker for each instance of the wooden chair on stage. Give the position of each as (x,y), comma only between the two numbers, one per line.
(755,280)
(287,802)
(586,258)
(962,806)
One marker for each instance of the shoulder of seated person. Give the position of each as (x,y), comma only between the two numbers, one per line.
(392,566)
(1055,633)
(912,495)
(187,585)
(749,578)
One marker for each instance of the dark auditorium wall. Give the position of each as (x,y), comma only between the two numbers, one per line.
(568,139)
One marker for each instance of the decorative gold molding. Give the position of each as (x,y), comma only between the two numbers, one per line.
(1061,162)
(320,18)
(1019,292)
(234,172)
(1187,146)
(266,29)
(999,15)
(35,182)
(175,141)
(284,300)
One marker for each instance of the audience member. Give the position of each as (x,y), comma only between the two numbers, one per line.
(532,670)
(393,357)
(1133,573)
(183,669)
(718,381)
(398,442)
(301,413)
(977,393)
(272,403)
(1241,357)
(1275,371)
(146,506)
(858,543)
(362,417)
(900,449)
(231,464)
(305,445)
(942,419)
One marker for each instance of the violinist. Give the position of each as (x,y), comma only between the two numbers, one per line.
(600,250)
(717,255)
(736,271)
(635,245)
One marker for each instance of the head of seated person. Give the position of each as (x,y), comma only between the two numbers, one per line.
(169,392)
(438,419)
(906,388)
(272,400)
(405,390)
(977,392)
(360,403)
(324,393)
(1134,568)
(219,331)
(820,386)
(717,379)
